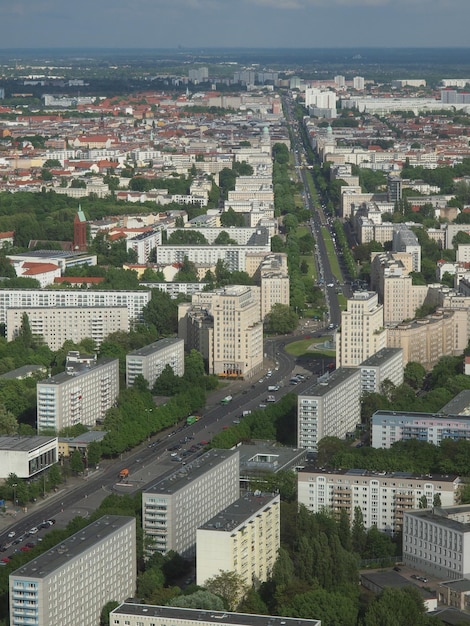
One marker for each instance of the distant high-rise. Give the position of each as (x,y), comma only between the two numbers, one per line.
(358,83)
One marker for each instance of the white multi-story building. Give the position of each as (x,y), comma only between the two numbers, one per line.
(178,504)
(386,364)
(80,395)
(70,583)
(274,281)
(148,615)
(321,102)
(27,456)
(144,243)
(243,538)
(331,408)
(362,329)
(358,83)
(225,326)
(26,299)
(382,497)
(151,360)
(59,324)
(391,426)
(437,541)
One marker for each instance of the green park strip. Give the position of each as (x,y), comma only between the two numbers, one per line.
(310,347)
(330,249)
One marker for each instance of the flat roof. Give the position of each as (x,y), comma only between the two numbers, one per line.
(379,357)
(238,512)
(394,579)
(23,443)
(73,546)
(457,585)
(155,346)
(216,617)
(78,370)
(25,370)
(337,378)
(363,472)
(459,405)
(417,416)
(175,480)
(439,515)
(266,457)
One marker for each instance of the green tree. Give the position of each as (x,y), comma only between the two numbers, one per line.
(229,586)
(224,239)
(199,600)
(167,384)
(281,320)
(106,610)
(187,272)
(358,532)
(232,218)
(8,422)
(414,374)
(76,462)
(396,607)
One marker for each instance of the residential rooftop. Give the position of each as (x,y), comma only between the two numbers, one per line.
(23,443)
(239,512)
(337,378)
(58,556)
(450,478)
(379,357)
(77,370)
(155,347)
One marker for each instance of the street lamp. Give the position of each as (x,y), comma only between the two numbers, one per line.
(15,485)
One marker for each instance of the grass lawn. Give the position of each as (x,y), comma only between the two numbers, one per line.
(342,301)
(301,348)
(330,250)
(312,270)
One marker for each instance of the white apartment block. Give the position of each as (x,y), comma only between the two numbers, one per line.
(233,256)
(59,324)
(386,364)
(242,235)
(80,395)
(275,282)
(382,497)
(358,83)
(82,298)
(148,615)
(143,244)
(329,409)
(151,360)
(225,326)
(179,503)
(390,426)
(70,583)
(26,456)
(362,329)
(243,538)
(437,541)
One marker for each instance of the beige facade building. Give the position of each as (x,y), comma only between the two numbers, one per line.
(179,503)
(362,329)
(426,340)
(275,283)
(382,497)
(243,538)
(57,325)
(70,583)
(330,408)
(151,360)
(225,326)
(80,395)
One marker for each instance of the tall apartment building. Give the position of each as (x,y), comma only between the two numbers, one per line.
(362,329)
(179,503)
(148,615)
(404,240)
(225,325)
(151,360)
(70,583)
(391,426)
(394,188)
(274,281)
(358,83)
(382,497)
(428,339)
(386,364)
(243,538)
(437,541)
(329,409)
(57,325)
(80,395)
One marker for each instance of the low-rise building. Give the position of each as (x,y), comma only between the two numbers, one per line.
(437,541)
(244,538)
(151,360)
(26,456)
(70,583)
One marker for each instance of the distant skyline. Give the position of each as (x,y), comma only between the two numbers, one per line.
(229,23)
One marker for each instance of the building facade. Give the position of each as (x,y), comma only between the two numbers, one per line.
(80,395)
(382,497)
(179,503)
(386,364)
(26,456)
(329,409)
(437,541)
(391,426)
(243,538)
(151,360)
(70,583)
(362,329)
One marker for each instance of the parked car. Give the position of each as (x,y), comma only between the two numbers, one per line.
(11,534)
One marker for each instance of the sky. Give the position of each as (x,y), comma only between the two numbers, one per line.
(234,23)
